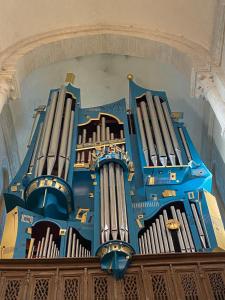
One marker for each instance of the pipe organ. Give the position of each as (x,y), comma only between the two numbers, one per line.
(110,181)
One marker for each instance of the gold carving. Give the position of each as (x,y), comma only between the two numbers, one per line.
(82,214)
(70,77)
(216,220)
(172,224)
(168,193)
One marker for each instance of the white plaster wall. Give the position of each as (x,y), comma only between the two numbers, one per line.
(192,19)
(103,79)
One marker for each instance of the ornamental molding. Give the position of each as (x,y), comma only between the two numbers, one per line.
(210,86)
(218,34)
(129,40)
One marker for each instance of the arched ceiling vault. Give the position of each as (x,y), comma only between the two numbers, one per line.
(186,34)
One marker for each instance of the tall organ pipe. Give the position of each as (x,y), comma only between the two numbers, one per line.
(120,203)
(32,162)
(106,202)
(64,138)
(165,132)
(142,133)
(68,151)
(187,151)
(124,204)
(53,147)
(103,130)
(172,132)
(199,225)
(151,147)
(180,238)
(102,206)
(47,129)
(188,232)
(156,129)
(114,226)
(183,231)
(170,240)
(46,242)
(98,134)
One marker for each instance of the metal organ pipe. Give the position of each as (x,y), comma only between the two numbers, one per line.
(42,247)
(172,132)
(64,138)
(187,151)
(47,129)
(106,205)
(102,206)
(165,131)
(188,232)
(151,147)
(38,249)
(183,231)
(124,205)
(164,236)
(180,238)
(156,129)
(111,136)
(54,142)
(143,139)
(46,242)
(113,212)
(69,242)
(169,236)
(199,225)
(120,203)
(103,129)
(156,238)
(149,241)
(49,245)
(68,151)
(32,162)
(107,133)
(98,134)
(73,245)
(159,233)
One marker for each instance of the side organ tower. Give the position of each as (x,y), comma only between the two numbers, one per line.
(112,182)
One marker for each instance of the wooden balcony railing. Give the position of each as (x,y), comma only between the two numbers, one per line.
(159,277)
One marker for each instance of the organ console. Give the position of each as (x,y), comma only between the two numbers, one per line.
(110,182)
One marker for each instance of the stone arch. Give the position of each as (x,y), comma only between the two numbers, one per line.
(24,57)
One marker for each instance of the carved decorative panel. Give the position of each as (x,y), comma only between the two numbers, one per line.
(12,289)
(217,285)
(100,288)
(71,289)
(159,287)
(130,287)
(188,282)
(41,289)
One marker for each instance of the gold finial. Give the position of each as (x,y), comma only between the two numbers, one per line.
(130,76)
(70,77)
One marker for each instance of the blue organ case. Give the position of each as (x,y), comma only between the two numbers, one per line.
(112,182)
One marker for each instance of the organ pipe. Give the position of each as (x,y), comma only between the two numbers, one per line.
(156,129)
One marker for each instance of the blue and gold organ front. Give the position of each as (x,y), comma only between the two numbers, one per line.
(114,181)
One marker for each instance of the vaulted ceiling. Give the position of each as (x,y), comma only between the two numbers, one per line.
(192,19)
